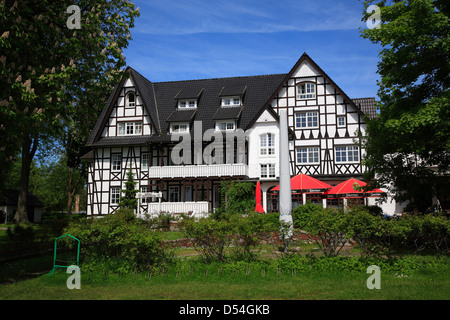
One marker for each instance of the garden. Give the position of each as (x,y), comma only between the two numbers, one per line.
(237,256)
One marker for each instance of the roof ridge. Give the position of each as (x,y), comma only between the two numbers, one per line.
(221,78)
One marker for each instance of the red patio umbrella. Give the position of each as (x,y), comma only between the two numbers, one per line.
(346,190)
(305,182)
(258,208)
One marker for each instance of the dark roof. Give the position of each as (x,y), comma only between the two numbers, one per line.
(228,113)
(258,90)
(367,105)
(182,116)
(11,197)
(160,100)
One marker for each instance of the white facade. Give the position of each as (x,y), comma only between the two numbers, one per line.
(323,123)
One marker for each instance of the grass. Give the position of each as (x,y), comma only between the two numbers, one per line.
(194,280)
(332,285)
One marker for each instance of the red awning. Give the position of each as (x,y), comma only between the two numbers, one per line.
(305,182)
(346,189)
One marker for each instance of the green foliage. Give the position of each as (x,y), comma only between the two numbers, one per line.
(302,214)
(118,241)
(411,134)
(330,226)
(236,197)
(210,236)
(129,201)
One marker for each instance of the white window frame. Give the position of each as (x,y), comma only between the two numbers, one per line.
(115,195)
(144,190)
(129,128)
(306,91)
(129,104)
(144,161)
(267,170)
(346,154)
(176,128)
(267,144)
(339,125)
(187,104)
(116,162)
(172,192)
(310,119)
(309,153)
(231,102)
(225,125)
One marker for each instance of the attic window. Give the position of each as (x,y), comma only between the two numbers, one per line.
(130,100)
(306,90)
(187,104)
(231,102)
(179,128)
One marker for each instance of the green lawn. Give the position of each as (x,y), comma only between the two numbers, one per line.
(28,279)
(208,283)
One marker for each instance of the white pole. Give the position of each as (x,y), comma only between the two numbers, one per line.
(285,198)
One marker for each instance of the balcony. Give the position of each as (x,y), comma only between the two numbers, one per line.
(197,209)
(215,170)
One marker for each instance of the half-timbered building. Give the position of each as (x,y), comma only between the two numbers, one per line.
(182,138)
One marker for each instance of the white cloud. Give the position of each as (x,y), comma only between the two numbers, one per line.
(249,16)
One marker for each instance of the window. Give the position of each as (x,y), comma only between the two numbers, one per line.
(267,144)
(231,102)
(187,104)
(115,195)
(130,100)
(268,170)
(307,120)
(341,121)
(188,193)
(173,194)
(306,90)
(130,128)
(180,128)
(116,160)
(308,155)
(347,154)
(225,126)
(144,165)
(144,190)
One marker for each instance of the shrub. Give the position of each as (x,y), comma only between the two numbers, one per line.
(329,226)
(302,214)
(118,237)
(210,236)
(248,232)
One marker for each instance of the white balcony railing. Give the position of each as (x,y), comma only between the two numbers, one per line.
(199,208)
(215,170)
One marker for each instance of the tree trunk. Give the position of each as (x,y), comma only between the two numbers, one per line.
(29,148)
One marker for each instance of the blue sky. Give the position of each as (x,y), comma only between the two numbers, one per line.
(198,39)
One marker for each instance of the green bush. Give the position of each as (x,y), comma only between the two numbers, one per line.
(330,227)
(302,214)
(210,236)
(120,238)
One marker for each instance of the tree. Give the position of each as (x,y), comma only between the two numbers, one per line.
(49,70)
(129,201)
(408,143)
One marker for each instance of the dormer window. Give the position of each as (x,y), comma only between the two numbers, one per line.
(306,90)
(179,128)
(187,104)
(231,102)
(130,100)
(225,126)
